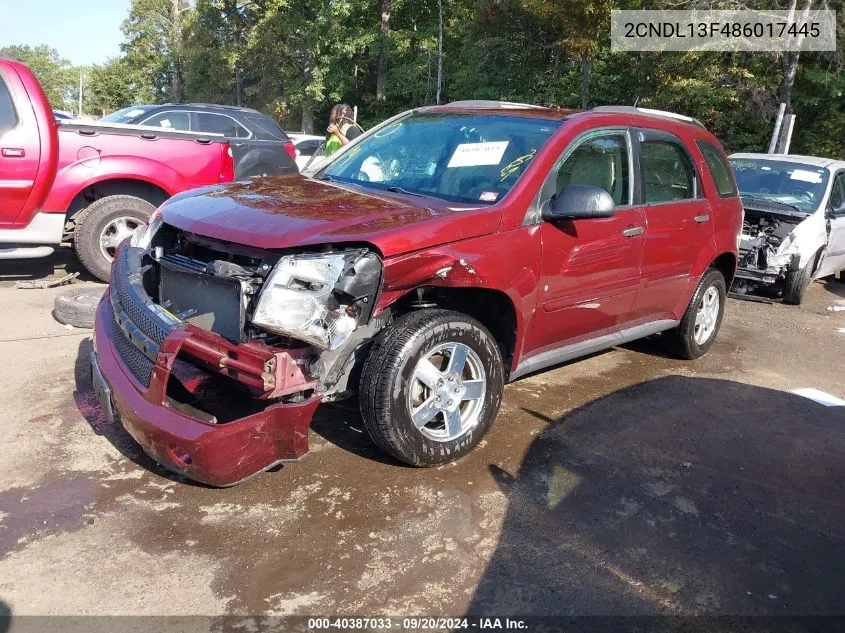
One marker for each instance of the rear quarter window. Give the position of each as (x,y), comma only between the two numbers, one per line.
(719,169)
(8,117)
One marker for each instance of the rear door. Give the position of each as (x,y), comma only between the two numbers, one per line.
(240,139)
(678,221)
(834,258)
(19,154)
(590,267)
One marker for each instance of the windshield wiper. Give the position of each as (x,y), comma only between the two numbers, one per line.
(751,196)
(405,191)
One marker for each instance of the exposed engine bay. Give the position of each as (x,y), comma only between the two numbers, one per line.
(282,325)
(764,257)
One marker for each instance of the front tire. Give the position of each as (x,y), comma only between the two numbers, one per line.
(102,226)
(431,387)
(702,318)
(797,282)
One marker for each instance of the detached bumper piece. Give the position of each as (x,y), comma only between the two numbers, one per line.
(200,405)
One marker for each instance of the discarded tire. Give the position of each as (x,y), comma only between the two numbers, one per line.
(76,307)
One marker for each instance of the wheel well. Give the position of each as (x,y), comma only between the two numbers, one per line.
(726,264)
(124,186)
(492,308)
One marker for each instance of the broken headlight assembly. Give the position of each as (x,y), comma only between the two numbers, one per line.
(319,298)
(144,234)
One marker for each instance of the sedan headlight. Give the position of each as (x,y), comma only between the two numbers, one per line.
(299,300)
(143,235)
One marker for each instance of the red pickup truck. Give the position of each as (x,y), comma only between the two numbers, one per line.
(86,183)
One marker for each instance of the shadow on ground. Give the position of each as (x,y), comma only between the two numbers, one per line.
(62,262)
(676,496)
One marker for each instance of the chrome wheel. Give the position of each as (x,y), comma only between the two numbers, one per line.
(115,232)
(446,392)
(707,316)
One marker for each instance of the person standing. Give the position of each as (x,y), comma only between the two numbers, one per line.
(342,128)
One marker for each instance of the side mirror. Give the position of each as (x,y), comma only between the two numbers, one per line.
(579,201)
(837,211)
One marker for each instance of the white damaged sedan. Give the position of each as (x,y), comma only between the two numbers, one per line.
(794,227)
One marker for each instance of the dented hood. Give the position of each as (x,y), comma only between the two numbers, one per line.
(289,211)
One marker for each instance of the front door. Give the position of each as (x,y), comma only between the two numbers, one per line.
(590,267)
(19,159)
(679,222)
(834,258)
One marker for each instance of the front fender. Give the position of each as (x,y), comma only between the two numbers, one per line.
(481,262)
(805,240)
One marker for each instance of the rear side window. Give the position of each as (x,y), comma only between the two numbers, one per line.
(719,169)
(8,118)
(220,124)
(266,128)
(668,174)
(170,121)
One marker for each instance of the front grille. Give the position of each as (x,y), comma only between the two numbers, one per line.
(142,328)
(134,359)
(133,305)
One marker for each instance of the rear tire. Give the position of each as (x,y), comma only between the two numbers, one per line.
(702,318)
(102,226)
(797,282)
(431,387)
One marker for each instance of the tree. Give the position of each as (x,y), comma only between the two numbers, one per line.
(109,87)
(384,41)
(581,23)
(153,47)
(55,74)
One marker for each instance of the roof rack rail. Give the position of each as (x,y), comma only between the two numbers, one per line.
(649,112)
(488,104)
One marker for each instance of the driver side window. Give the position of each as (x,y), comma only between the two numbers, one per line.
(600,161)
(837,195)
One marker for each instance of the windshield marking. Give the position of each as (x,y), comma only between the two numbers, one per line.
(478,154)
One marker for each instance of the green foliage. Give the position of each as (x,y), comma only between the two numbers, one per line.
(109,87)
(54,72)
(296,58)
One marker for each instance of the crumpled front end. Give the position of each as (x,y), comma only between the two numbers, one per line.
(202,389)
(768,250)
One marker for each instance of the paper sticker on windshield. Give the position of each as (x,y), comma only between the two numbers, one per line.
(475,154)
(164,123)
(488,196)
(806,176)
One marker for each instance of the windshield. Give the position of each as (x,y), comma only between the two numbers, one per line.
(126,115)
(794,184)
(466,158)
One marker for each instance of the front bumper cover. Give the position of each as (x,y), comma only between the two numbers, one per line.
(215,454)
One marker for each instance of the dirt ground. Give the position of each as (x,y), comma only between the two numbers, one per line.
(626,483)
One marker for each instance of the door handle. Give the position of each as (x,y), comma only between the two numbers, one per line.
(702,218)
(632,231)
(12,152)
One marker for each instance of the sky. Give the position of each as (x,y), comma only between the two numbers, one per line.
(83,31)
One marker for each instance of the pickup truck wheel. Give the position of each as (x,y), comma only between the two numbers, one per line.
(702,318)
(797,282)
(431,387)
(102,226)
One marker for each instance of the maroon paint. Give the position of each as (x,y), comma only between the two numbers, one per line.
(565,280)
(218,455)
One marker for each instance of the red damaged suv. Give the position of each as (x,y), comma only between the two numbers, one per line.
(444,253)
